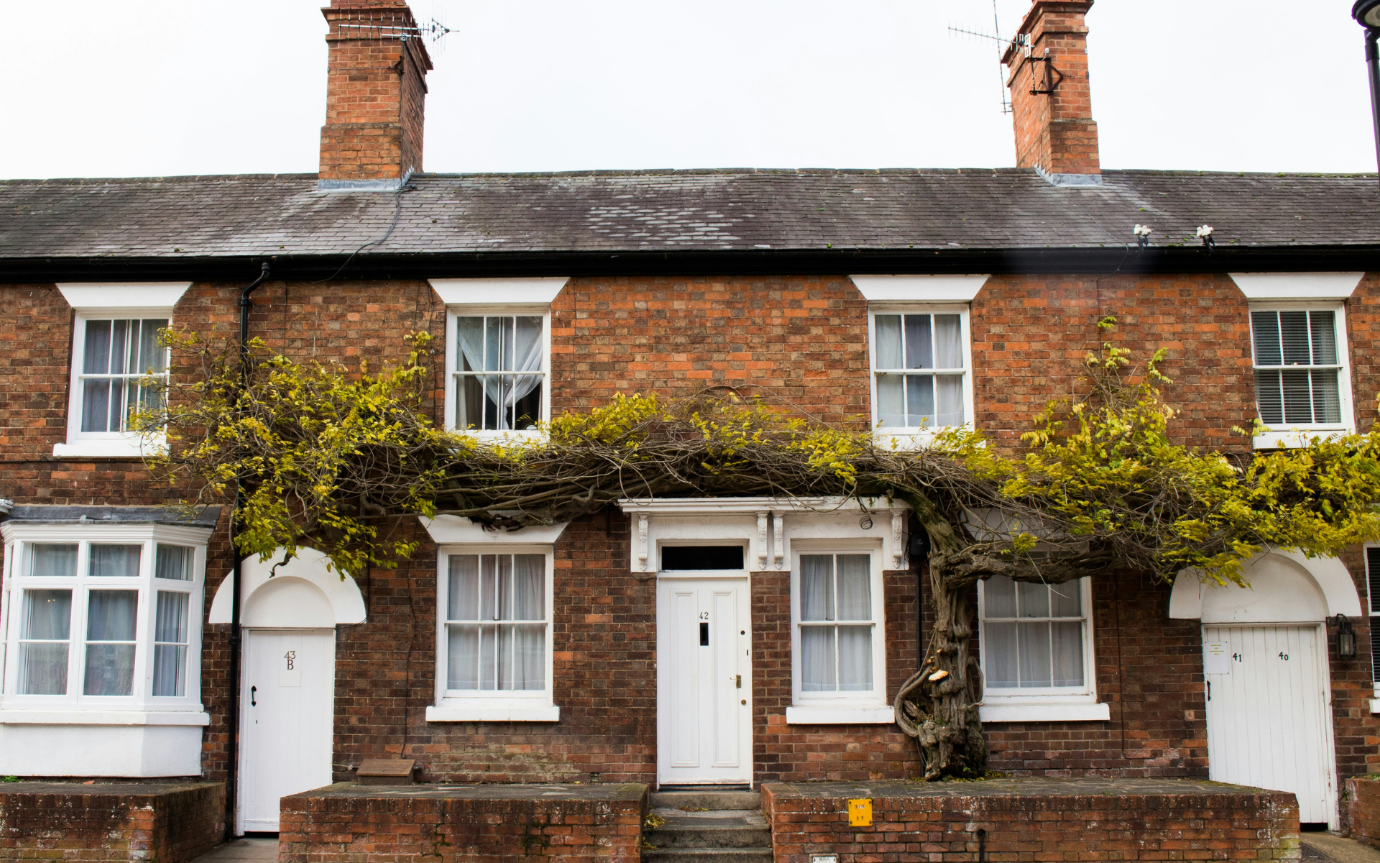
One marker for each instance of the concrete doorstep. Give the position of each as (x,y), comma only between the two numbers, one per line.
(243,850)
(1331,846)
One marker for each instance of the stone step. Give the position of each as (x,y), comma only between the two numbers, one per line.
(706,799)
(720,828)
(709,855)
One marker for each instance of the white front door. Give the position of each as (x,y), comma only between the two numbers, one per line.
(704,706)
(286,716)
(1269,725)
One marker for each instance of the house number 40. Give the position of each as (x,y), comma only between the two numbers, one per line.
(291,657)
(1284,656)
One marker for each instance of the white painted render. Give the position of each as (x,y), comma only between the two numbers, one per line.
(505,292)
(1285,587)
(1297,286)
(122,296)
(920,289)
(127,751)
(457,530)
(304,593)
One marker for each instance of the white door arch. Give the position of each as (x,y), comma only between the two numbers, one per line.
(1266,678)
(287,698)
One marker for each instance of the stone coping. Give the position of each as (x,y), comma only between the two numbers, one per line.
(1024,787)
(118,789)
(612,792)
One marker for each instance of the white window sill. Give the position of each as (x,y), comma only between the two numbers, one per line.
(12,716)
(1296,438)
(493,713)
(1375,705)
(132,447)
(840,715)
(1044,711)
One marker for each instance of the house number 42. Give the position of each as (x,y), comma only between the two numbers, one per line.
(291,657)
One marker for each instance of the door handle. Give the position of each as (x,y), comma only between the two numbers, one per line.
(738,680)
(1209,683)
(252,690)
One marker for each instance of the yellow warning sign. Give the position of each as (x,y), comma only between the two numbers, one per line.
(859,813)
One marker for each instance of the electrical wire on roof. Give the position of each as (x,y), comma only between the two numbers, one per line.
(406,186)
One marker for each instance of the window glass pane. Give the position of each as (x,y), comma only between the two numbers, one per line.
(1032,599)
(889,342)
(527,344)
(493,343)
(488,649)
(1298,397)
(529,589)
(999,652)
(174,562)
(152,358)
(505,657)
(1327,405)
(816,587)
(855,658)
(119,345)
(919,350)
(817,659)
(505,587)
(948,342)
(891,408)
(529,670)
(1065,600)
(488,587)
(52,560)
(1323,329)
(96,350)
(1293,336)
(110,666)
(43,668)
(115,419)
(948,400)
(526,402)
(47,615)
(1067,641)
(920,398)
(470,402)
(1265,330)
(462,661)
(469,333)
(114,561)
(462,593)
(95,406)
(999,597)
(854,587)
(1033,640)
(170,644)
(1268,398)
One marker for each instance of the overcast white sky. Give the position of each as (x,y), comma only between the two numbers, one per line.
(161,87)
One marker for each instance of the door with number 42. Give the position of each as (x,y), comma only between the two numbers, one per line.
(286,718)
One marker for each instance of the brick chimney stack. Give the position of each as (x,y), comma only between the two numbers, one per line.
(375,95)
(1055,132)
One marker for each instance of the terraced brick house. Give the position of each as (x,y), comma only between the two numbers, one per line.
(674,641)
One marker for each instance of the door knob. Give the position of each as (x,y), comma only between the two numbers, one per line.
(738,681)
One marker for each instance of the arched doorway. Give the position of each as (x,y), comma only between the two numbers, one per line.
(287,694)
(1266,678)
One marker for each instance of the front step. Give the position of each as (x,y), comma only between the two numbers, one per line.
(707,825)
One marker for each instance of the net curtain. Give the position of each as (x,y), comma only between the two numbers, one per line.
(502,344)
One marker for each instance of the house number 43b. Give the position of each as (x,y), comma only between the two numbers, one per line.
(291,657)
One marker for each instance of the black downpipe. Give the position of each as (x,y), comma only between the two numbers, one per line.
(232,771)
(1373,66)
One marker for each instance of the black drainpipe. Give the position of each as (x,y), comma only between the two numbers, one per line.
(232,771)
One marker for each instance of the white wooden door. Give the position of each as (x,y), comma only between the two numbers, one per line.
(1268,720)
(704,710)
(286,716)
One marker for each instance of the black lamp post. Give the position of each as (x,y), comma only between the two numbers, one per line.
(1367,14)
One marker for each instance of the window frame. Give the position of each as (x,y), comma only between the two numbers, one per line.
(84,443)
(492,705)
(1297,434)
(453,312)
(876,698)
(20,537)
(1051,695)
(1373,611)
(915,435)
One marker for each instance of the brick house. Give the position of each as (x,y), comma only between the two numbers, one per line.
(900,299)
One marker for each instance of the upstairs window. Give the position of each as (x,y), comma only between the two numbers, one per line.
(920,370)
(120,371)
(1301,377)
(499,371)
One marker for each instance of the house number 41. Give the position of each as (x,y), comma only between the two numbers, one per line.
(291,657)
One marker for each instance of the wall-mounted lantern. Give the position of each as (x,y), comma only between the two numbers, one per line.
(1346,637)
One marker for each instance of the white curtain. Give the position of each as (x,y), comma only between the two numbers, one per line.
(889,354)
(501,344)
(173,562)
(948,342)
(44,633)
(1067,644)
(491,653)
(1032,599)
(1065,600)
(948,401)
(817,659)
(110,618)
(529,603)
(855,587)
(855,658)
(114,561)
(816,587)
(999,650)
(52,560)
(920,400)
(170,644)
(919,343)
(1034,654)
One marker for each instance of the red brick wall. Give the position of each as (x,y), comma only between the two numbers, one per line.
(486,826)
(160,823)
(1055,131)
(1361,809)
(1053,823)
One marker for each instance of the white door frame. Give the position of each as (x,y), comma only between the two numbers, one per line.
(245,697)
(1324,671)
(663,715)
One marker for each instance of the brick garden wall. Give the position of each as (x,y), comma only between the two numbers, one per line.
(1050,821)
(1361,810)
(149,823)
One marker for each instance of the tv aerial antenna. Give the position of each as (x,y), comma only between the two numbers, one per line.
(433,31)
(1002,45)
